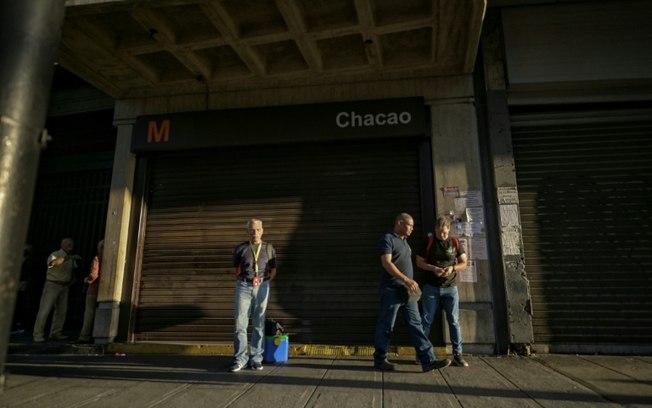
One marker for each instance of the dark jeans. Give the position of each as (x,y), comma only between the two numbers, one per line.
(390,305)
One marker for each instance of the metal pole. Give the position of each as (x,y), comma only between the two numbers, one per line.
(29,34)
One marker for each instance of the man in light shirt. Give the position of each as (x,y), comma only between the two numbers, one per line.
(55,292)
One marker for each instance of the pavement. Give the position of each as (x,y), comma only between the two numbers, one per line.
(62,374)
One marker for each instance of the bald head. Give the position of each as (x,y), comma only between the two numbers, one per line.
(67,244)
(403,224)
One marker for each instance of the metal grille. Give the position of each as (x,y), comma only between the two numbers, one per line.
(70,200)
(324,207)
(585,188)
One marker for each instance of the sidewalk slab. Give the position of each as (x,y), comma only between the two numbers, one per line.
(620,379)
(544,385)
(169,380)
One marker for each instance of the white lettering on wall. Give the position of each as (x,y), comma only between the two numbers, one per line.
(353,119)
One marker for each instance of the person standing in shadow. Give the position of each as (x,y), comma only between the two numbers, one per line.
(58,280)
(22,316)
(93,281)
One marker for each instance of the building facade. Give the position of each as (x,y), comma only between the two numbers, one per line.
(528,121)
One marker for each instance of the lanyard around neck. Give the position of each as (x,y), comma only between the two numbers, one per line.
(255,253)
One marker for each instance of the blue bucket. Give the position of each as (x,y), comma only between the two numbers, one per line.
(276,349)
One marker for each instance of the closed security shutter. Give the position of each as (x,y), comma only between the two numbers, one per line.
(324,207)
(585,189)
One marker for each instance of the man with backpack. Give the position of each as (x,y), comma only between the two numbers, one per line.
(442,258)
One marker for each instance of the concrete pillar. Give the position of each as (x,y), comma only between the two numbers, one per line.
(115,239)
(459,190)
(516,284)
(30,32)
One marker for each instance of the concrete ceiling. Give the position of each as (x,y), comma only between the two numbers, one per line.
(151,48)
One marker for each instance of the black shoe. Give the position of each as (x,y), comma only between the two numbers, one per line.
(82,341)
(436,365)
(385,366)
(58,337)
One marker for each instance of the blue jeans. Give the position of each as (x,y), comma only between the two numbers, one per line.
(390,305)
(432,300)
(250,302)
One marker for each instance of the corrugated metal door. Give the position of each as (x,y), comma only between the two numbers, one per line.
(324,207)
(585,189)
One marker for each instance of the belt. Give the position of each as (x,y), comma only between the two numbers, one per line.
(251,280)
(62,283)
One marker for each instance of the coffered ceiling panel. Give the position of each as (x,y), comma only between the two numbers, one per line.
(148,48)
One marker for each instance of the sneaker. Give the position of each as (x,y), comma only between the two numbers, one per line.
(39,340)
(385,366)
(235,367)
(256,366)
(58,337)
(459,361)
(436,365)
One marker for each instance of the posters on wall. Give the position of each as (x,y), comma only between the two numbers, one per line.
(469,221)
(469,274)
(468,214)
(509,220)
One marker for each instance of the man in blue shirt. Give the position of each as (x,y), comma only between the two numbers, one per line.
(397,279)
(255,266)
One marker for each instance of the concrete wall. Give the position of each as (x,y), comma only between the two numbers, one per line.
(456,159)
(575,42)
(588,51)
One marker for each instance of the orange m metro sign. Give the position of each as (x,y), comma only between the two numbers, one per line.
(156,134)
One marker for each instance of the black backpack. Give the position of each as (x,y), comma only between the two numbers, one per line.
(273,328)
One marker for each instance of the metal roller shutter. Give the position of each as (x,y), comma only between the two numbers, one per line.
(585,188)
(324,207)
